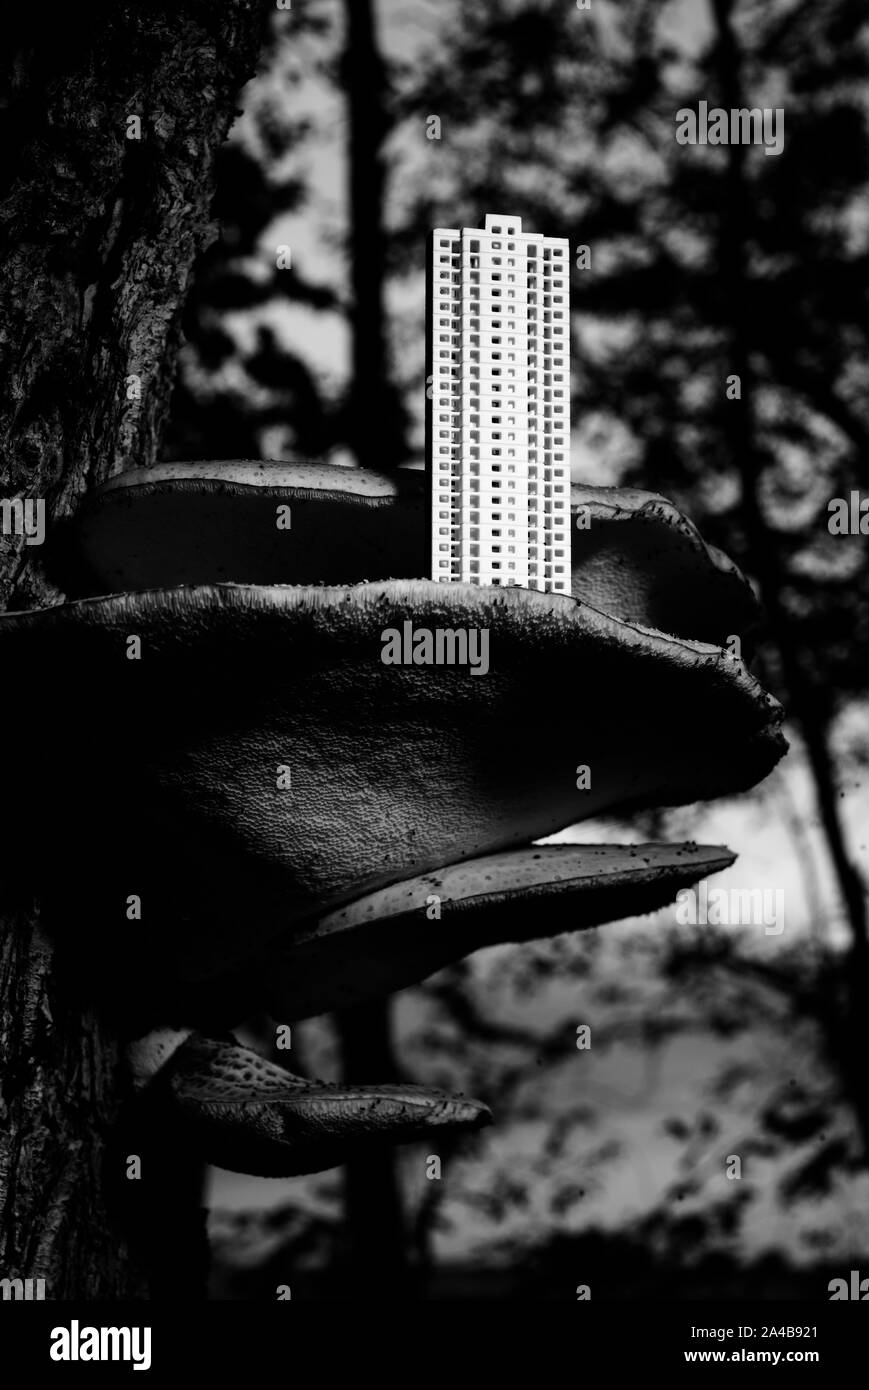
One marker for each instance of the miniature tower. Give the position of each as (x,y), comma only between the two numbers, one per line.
(498,406)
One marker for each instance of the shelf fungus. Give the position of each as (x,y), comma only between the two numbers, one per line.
(234,1108)
(249,522)
(254,807)
(634,555)
(398,935)
(394,770)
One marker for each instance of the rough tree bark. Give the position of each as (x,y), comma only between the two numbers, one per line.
(99,234)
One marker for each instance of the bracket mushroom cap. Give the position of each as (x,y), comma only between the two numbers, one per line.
(242,1112)
(396,769)
(387,940)
(634,554)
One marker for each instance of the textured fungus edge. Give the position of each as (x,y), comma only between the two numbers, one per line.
(539,617)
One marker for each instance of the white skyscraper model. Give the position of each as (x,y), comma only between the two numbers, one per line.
(498,406)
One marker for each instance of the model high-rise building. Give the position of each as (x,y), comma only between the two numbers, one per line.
(498,407)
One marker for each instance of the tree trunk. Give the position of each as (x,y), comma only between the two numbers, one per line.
(376,1225)
(99,231)
(375,423)
(373,1199)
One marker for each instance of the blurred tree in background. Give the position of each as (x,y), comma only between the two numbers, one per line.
(242,387)
(720,346)
(237,380)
